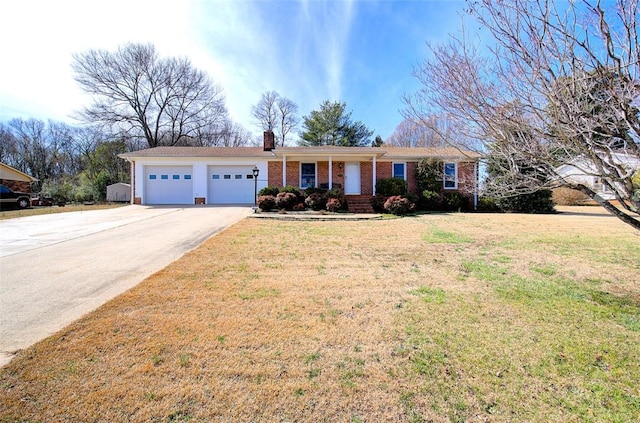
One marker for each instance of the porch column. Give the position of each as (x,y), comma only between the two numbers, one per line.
(374,175)
(330,172)
(284,171)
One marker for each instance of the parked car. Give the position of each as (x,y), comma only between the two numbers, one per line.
(10,198)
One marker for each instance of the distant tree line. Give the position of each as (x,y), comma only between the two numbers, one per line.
(70,163)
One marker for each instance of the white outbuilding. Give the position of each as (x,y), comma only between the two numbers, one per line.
(119,192)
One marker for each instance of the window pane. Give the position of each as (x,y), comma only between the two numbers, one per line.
(164,176)
(215,176)
(227,176)
(450,169)
(307,175)
(175,176)
(152,177)
(398,170)
(238,176)
(187,176)
(450,175)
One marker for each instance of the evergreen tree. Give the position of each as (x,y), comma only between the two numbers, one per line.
(332,126)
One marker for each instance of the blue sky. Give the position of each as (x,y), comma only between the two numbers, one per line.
(361,52)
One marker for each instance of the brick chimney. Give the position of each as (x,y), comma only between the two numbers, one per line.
(269,141)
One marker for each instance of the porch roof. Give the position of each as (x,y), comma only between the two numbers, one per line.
(318,152)
(326,151)
(390,153)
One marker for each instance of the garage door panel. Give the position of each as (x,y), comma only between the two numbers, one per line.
(168,185)
(231,184)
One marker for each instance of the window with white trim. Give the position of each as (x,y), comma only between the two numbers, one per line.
(400,170)
(450,179)
(307,175)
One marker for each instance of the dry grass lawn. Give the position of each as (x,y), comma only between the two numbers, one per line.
(441,317)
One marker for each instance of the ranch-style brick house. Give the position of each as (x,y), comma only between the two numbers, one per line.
(224,175)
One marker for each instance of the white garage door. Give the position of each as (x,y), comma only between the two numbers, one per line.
(231,185)
(168,185)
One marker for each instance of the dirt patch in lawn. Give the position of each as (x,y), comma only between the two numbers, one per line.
(443,317)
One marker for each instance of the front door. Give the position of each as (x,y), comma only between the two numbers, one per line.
(352,178)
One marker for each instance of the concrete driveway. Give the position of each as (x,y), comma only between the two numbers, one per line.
(55,268)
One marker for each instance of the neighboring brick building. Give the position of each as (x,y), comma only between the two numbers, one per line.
(14,179)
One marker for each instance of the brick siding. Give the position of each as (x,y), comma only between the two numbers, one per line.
(383,170)
(22,186)
(275,174)
(293,174)
(366,174)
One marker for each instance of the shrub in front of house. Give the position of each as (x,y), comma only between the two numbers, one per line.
(455,201)
(291,189)
(316,201)
(377,203)
(391,187)
(295,191)
(286,200)
(336,193)
(398,205)
(488,205)
(569,197)
(269,190)
(266,202)
(535,202)
(313,190)
(430,200)
(299,207)
(334,205)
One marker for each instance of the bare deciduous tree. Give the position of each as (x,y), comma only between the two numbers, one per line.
(276,113)
(223,134)
(265,112)
(559,87)
(164,101)
(409,133)
(288,119)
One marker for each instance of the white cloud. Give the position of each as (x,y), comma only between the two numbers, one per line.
(40,37)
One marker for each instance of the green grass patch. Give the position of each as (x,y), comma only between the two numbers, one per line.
(483,270)
(439,236)
(259,293)
(430,295)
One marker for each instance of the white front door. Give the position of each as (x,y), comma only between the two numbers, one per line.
(352,178)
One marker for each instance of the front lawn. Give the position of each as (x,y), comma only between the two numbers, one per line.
(440,317)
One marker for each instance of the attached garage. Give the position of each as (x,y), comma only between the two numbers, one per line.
(168,185)
(230,184)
